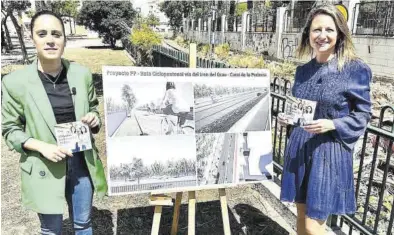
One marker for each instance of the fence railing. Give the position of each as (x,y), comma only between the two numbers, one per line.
(374,216)
(184,58)
(262,22)
(374,18)
(151,186)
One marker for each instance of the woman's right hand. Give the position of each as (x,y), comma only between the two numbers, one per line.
(54,153)
(281,120)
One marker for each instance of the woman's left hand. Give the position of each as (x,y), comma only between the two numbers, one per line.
(90,119)
(320,126)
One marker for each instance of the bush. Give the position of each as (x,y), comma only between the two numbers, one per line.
(181,41)
(284,70)
(247,61)
(144,37)
(222,51)
(204,50)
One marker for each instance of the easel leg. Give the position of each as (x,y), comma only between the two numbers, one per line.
(192,213)
(156,220)
(223,205)
(175,219)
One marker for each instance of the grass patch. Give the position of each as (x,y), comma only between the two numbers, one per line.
(80,30)
(94,59)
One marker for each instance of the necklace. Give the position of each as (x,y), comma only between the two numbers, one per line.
(57,77)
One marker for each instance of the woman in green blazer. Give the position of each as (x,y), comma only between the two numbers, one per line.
(49,91)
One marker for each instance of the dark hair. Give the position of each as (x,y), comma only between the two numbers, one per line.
(309,109)
(46,12)
(170,85)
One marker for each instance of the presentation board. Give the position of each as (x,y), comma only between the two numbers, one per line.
(181,129)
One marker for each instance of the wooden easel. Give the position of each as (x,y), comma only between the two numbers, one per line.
(162,200)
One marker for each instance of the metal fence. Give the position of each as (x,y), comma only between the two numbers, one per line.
(184,58)
(373,217)
(374,18)
(152,186)
(295,19)
(262,22)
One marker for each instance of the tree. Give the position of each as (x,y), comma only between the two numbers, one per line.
(152,20)
(107,18)
(175,11)
(128,97)
(8,8)
(125,171)
(115,173)
(241,8)
(67,8)
(137,169)
(157,168)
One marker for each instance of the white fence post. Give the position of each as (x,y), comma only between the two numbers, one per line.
(280,18)
(353,11)
(224,24)
(209,33)
(244,28)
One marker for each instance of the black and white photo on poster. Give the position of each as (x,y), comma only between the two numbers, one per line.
(151,163)
(228,158)
(74,136)
(298,112)
(149,108)
(231,107)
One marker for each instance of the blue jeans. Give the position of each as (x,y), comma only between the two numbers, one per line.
(79,194)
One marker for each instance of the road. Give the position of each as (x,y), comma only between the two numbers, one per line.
(261,120)
(141,122)
(208,111)
(226,161)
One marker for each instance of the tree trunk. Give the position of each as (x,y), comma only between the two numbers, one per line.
(75,29)
(113,42)
(7,33)
(4,47)
(20,37)
(71,30)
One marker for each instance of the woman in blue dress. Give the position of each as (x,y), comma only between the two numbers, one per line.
(318,171)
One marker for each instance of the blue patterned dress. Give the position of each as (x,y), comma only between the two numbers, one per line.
(318,168)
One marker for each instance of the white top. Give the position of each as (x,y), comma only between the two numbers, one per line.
(178,104)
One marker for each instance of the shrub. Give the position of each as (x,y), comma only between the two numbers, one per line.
(247,61)
(204,50)
(180,41)
(222,51)
(144,37)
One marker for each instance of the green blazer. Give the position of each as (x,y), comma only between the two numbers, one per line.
(26,113)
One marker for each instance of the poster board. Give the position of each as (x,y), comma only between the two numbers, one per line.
(182,129)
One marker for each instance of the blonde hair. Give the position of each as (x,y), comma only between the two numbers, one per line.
(344,48)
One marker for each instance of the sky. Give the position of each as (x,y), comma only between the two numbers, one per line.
(150,148)
(147,92)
